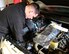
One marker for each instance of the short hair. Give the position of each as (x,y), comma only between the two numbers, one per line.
(36,6)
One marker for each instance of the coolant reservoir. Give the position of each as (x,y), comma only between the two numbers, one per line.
(53,45)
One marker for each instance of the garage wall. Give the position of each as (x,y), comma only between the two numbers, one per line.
(8,1)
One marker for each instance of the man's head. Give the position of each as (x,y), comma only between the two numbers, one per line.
(32,10)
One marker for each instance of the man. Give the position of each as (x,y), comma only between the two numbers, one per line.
(12,19)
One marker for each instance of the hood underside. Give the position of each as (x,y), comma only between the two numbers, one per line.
(56,2)
(59,9)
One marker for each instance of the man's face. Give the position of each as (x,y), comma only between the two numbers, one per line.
(30,12)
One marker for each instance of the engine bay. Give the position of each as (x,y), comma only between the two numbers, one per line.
(52,35)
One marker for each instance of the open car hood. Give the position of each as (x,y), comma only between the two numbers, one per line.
(57,9)
(56,2)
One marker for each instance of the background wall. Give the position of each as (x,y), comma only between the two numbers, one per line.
(8,1)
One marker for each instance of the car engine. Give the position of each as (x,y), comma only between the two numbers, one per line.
(53,37)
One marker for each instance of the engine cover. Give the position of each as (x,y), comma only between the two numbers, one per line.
(49,33)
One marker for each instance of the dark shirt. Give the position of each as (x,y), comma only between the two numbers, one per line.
(12,19)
